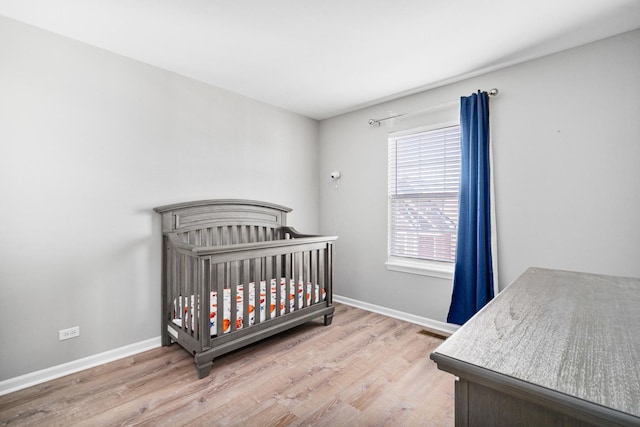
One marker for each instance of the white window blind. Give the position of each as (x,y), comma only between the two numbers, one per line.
(424,175)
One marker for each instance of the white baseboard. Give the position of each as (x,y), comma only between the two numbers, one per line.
(44,375)
(38,377)
(437,325)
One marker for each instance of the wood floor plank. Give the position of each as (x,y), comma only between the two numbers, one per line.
(72,398)
(363,370)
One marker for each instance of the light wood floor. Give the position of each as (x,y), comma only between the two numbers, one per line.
(363,370)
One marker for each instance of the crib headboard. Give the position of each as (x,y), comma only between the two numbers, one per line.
(224,221)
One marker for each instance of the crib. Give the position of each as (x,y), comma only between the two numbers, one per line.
(234,273)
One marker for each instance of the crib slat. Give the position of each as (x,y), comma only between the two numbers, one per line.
(248,279)
(173,283)
(228,280)
(297,270)
(179,271)
(186,286)
(220,275)
(224,235)
(179,282)
(229,273)
(306,275)
(329,272)
(193,280)
(255,278)
(322,273)
(235,237)
(171,277)
(296,264)
(314,275)
(205,303)
(207,241)
(278,274)
(287,282)
(178,285)
(236,279)
(268,274)
(242,234)
(311,287)
(299,277)
(257,272)
(294,283)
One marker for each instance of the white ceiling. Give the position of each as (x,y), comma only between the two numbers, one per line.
(321,58)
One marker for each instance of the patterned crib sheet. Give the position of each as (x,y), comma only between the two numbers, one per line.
(183,306)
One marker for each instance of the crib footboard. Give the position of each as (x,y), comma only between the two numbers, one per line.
(220,298)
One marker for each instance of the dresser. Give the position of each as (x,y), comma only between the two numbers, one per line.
(555,348)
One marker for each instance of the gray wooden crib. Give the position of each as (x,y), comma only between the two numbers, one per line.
(233,273)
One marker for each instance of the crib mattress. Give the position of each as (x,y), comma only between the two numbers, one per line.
(184,306)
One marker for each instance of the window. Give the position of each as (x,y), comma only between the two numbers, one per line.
(424,175)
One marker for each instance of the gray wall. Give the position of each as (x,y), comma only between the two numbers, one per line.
(566,135)
(90,142)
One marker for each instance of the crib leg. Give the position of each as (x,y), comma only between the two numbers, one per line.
(203,369)
(165,340)
(328,318)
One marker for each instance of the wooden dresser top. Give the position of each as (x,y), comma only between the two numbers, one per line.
(573,333)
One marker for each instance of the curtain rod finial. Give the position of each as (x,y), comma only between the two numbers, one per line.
(493,92)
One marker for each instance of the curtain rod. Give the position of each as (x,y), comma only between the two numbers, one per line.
(492,92)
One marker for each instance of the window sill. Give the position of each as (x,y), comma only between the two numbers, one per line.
(440,270)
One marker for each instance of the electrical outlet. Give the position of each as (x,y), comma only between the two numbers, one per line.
(65,334)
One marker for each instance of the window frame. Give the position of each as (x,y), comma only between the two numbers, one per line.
(432,268)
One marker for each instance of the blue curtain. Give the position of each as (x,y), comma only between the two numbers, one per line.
(473,275)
